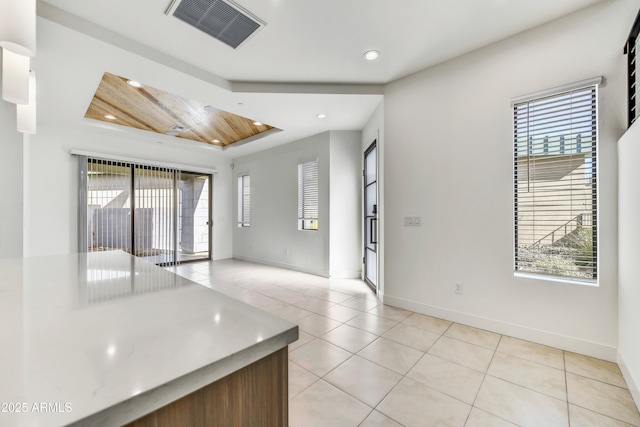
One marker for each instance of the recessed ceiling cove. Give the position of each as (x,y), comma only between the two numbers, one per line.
(224,20)
(119,101)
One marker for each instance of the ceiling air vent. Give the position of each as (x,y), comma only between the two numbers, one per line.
(223,20)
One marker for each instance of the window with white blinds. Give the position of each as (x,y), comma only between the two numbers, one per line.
(308,196)
(244,200)
(555,184)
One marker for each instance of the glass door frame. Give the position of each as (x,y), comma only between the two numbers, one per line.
(370,232)
(209,217)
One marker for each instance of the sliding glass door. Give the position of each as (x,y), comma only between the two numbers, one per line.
(154,221)
(157,213)
(194,207)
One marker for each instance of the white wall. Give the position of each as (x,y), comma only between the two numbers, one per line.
(629,250)
(273,237)
(345,239)
(11,147)
(52,216)
(76,62)
(448,158)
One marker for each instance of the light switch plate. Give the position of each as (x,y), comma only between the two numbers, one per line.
(412,221)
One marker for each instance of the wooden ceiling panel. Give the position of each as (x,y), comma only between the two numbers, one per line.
(155,110)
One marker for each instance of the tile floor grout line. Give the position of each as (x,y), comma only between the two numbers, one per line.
(527,388)
(323,378)
(467,342)
(529,360)
(485,375)
(597,380)
(426,385)
(377,364)
(456,363)
(566,386)
(245,284)
(605,415)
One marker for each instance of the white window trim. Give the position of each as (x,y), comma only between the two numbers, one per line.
(301,220)
(143,162)
(240,215)
(594,81)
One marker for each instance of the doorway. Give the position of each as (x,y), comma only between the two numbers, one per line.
(370,234)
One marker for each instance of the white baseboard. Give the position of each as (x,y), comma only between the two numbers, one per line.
(345,275)
(286,266)
(576,345)
(632,383)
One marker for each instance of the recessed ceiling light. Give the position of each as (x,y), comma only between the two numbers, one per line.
(215,141)
(371,55)
(134,83)
(321,116)
(257,123)
(109,117)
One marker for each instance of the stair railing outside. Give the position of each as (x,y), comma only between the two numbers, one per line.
(578,219)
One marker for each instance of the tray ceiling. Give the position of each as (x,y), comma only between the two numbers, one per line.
(155,110)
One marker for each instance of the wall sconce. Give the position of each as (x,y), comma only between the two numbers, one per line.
(26,114)
(15,77)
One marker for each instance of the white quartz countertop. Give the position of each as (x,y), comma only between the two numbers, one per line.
(104,338)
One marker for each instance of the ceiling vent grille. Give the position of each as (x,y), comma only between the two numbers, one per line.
(223,20)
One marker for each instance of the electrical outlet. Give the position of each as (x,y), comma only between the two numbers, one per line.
(458,288)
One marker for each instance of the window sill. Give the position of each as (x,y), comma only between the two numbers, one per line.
(559,279)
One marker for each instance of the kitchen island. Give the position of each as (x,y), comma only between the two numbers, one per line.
(109,339)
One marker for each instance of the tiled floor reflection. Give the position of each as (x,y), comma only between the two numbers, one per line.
(360,363)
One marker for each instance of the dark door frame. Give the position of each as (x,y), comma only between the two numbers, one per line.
(369,220)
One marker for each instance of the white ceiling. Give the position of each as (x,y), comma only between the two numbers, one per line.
(309,46)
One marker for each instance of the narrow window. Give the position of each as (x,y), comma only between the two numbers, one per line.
(555,199)
(244,200)
(308,196)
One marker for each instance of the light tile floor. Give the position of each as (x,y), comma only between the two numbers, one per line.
(360,363)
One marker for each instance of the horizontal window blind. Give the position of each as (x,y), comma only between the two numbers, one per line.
(555,184)
(308,195)
(244,201)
